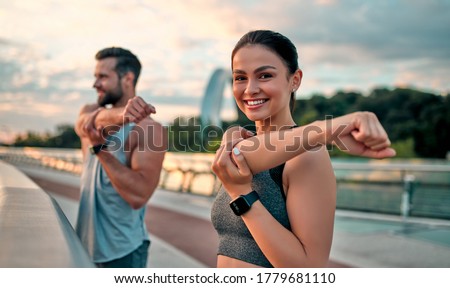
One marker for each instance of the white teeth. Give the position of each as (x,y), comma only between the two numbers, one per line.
(255,102)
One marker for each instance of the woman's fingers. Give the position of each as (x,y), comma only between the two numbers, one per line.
(215,164)
(241,163)
(379,154)
(371,132)
(225,157)
(366,136)
(222,161)
(236,132)
(229,162)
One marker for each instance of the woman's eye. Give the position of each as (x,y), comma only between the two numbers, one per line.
(239,78)
(265,76)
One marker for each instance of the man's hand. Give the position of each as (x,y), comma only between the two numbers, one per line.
(94,134)
(136,110)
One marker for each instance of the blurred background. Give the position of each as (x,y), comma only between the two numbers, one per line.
(388,57)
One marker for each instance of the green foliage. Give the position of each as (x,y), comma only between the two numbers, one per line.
(65,137)
(405,148)
(411,114)
(188,135)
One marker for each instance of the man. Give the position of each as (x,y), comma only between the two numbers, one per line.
(123,151)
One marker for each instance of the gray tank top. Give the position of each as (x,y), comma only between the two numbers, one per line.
(235,240)
(107,225)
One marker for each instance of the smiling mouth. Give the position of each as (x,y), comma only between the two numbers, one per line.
(255,102)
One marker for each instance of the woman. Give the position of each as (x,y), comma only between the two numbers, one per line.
(277,202)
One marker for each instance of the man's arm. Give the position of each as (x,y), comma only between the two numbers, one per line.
(107,119)
(83,118)
(87,115)
(137,182)
(134,181)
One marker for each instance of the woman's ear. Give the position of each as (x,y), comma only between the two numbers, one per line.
(297,79)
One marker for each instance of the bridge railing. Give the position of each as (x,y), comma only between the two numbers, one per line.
(409,188)
(34,232)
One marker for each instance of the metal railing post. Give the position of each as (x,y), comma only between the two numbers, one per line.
(408,190)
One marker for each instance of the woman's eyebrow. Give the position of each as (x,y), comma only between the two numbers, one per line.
(262,68)
(259,69)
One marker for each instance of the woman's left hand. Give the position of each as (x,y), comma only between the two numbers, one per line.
(232,169)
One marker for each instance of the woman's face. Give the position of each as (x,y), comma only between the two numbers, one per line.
(261,85)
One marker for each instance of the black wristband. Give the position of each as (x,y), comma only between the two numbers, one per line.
(243,203)
(97,148)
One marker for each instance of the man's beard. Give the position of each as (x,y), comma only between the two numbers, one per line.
(111,97)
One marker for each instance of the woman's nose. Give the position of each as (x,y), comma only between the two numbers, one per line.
(252,87)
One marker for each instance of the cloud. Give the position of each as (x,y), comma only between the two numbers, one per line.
(388,29)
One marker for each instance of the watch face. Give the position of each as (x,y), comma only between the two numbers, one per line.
(240,206)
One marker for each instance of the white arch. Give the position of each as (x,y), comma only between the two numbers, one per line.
(213,98)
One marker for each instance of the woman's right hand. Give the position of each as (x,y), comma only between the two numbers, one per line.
(231,168)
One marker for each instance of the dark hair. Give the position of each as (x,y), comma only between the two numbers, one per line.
(277,43)
(126,61)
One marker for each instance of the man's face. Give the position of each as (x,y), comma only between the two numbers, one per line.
(107,82)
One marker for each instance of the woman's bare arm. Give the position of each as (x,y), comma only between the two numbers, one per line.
(358,133)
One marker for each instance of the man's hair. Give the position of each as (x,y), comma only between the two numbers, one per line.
(126,61)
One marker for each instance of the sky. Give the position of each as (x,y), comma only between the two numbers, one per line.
(47,50)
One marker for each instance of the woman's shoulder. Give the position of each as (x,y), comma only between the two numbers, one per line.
(309,162)
(309,169)
(315,156)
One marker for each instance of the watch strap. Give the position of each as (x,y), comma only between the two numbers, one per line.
(251,197)
(97,148)
(243,203)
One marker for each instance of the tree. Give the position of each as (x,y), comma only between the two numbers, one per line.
(65,137)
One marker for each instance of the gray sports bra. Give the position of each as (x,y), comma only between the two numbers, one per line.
(235,240)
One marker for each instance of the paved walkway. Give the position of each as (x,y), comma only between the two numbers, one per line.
(360,239)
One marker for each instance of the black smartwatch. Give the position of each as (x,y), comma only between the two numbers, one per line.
(243,203)
(97,148)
